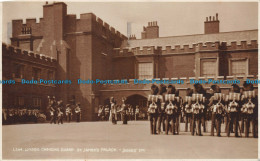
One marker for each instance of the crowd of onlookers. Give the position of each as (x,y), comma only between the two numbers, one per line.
(24,115)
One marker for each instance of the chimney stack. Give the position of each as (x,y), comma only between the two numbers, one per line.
(211,25)
(151,31)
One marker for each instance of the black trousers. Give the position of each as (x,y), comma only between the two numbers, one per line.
(78,117)
(170,124)
(196,124)
(250,118)
(53,119)
(114,121)
(69,117)
(124,118)
(153,120)
(188,119)
(233,122)
(60,119)
(216,122)
(161,121)
(204,120)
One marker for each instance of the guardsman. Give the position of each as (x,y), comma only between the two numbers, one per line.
(178,102)
(60,115)
(137,112)
(52,109)
(153,108)
(60,112)
(101,113)
(217,105)
(68,113)
(78,112)
(132,112)
(123,111)
(161,108)
(170,110)
(250,108)
(106,112)
(53,120)
(113,110)
(233,108)
(119,118)
(198,107)
(187,108)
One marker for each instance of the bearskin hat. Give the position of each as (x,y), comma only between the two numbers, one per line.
(171,89)
(216,89)
(248,86)
(189,92)
(199,89)
(154,90)
(236,88)
(162,89)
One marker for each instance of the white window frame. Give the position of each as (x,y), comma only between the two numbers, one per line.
(237,59)
(145,63)
(209,59)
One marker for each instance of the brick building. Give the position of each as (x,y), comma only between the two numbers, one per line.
(88,48)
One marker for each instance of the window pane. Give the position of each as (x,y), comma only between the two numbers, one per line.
(36,73)
(238,67)
(145,70)
(208,68)
(18,70)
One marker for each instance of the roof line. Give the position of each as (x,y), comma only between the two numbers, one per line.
(197,34)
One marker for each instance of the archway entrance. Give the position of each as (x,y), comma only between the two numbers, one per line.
(139,100)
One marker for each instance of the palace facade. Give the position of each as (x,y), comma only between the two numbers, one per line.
(62,47)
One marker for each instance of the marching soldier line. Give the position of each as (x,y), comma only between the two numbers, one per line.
(238,110)
(165,106)
(166,109)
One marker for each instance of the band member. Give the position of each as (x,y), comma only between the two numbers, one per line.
(68,113)
(233,109)
(217,107)
(161,108)
(250,108)
(171,110)
(187,108)
(107,112)
(153,108)
(78,112)
(113,110)
(198,101)
(137,112)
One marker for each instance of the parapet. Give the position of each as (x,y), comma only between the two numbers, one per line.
(14,52)
(243,45)
(193,48)
(100,27)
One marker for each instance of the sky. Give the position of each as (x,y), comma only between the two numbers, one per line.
(173,18)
